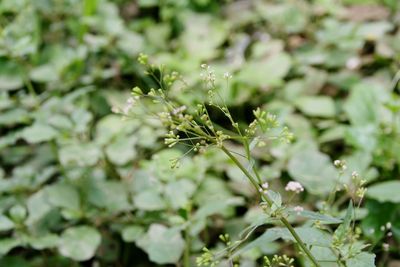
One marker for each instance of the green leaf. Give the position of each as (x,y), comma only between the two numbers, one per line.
(149,200)
(110,195)
(362,105)
(80,154)
(313,170)
(5,223)
(317,106)
(268,72)
(343,229)
(163,245)
(131,233)
(317,217)
(7,244)
(385,191)
(179,192)
(38,133)
(44,241)
(63,196)
(362,259)
(79,243)
(122,150)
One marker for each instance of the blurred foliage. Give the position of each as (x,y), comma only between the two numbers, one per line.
(77,183)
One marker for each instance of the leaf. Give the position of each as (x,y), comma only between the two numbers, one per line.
(80,154)
(343,229)
(163,245)
(38,133)
(5,223)
(110,195)
(362,105)
(268,72)
(179,192)
(7,244)
(131,233)
(122,150)
(362,259)
(313,170)
(385,191)
(79,243)
(149,200)
(63,196)
(323,218)
(317,106)
(44,241)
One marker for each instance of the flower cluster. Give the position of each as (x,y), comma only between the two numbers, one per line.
(294,187)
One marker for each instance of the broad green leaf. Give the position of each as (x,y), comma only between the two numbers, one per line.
(179,192)
(7,244)
(5,223)
(163,245)
(44,241)
(79,154)
(363,259)
(317,106)
(313,170)
(323,218)
(79,243)
(362,106)
(385,191)
(110,195)
(268,72)
(149,200)
(122,150)
(131,233)
(63,196)
(38,133)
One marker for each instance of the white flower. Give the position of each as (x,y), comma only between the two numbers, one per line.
(353,63)
(227,75)
(388,225)
(385,246)
(298,209)
(295,187)
(340,164)
(265,185)
(354,174)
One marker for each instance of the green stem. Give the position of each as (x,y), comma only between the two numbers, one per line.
(186,255)
(270,202)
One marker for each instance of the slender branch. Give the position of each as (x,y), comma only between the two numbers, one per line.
(270,202)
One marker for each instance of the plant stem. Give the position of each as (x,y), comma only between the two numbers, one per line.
(270,202)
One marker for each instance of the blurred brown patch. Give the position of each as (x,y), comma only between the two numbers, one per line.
(366,12)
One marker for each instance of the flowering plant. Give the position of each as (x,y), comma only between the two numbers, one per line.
(194,127)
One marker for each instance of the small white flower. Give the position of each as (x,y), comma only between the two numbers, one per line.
(227,75)
(353,63)
(265,185)
(383,228)
(130,101)
(354,174)
(388,225)
(115,109)
(336,162)
(295,187)
(298,209)
(389,234)
(203,66)
(385,246)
